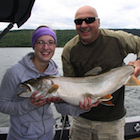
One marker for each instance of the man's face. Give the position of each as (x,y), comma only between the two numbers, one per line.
(88,32)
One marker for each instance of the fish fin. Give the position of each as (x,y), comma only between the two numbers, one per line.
(94,71)
(107,103)
(106,98)
(53,88)
(103,100)
(132,81)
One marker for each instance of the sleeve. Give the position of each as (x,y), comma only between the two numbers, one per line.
(68,69)
(67,109)
(10,103)
(130,42)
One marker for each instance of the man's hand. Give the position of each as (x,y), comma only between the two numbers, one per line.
(87,104)
(136,64)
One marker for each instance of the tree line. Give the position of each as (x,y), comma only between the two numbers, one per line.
(22,38)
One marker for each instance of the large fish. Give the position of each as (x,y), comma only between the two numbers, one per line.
(74,89)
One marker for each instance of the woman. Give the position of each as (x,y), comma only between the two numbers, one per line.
(32,118)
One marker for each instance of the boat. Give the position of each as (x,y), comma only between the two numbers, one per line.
(18,12)
(132,129)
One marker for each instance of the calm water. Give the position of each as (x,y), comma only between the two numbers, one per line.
(10,56)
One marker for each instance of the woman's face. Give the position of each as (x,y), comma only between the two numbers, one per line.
(44,48)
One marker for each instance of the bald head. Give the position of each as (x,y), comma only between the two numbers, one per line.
(86,11)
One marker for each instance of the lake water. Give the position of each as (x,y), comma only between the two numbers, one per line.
(10,56)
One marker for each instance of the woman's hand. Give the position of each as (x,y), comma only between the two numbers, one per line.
(54,100)
(87,104)
(37,101)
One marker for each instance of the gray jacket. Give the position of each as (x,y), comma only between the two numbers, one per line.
(26,120)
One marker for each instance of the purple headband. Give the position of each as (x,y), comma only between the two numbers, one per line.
(43,31)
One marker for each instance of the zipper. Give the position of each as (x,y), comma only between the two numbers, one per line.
(43,121)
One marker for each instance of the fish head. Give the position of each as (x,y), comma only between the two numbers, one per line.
(31,85)
(41,85)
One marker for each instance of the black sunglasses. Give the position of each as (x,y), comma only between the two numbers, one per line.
(88,20)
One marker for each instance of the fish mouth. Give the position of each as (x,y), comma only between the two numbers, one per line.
(26,87)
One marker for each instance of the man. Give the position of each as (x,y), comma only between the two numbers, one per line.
(95,47)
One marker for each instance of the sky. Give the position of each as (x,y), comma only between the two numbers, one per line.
(59,14)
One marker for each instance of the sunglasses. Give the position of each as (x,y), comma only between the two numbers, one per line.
(88,20)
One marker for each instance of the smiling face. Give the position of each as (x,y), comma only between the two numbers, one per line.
(87,32)
(44,48)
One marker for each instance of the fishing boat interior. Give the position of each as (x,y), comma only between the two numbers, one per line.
(18,12)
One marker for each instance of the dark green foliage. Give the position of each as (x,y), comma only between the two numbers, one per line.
(22,38)
(17,38)
(63,36)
